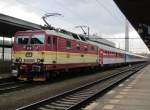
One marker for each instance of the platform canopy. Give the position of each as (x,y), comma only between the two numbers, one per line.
(137,12)
(10,25)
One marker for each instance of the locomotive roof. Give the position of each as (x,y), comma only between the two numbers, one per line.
(83,38)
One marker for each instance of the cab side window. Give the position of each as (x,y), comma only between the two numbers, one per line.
(68,44)
(54,41)
(49,40)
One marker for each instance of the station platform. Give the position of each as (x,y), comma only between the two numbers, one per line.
(132,94)
(5,75)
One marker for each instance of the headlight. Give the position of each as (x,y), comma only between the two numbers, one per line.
(40,60)
(18,60)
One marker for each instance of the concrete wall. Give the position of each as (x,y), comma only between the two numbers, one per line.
(5,66)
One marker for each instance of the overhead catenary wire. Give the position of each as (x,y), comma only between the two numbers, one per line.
(100,4)
(67,9)
(70,11)
(76,15)
(58,3)
(116,38)
(43,11)
(34,7)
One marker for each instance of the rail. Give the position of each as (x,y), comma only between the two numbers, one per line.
(73,99)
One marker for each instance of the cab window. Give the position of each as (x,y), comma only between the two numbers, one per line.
(38,39)
(22,39)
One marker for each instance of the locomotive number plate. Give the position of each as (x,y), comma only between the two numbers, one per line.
(29,60)
(28,54)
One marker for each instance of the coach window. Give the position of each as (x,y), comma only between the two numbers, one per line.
(68,44)
(112,53)
(116,54)
(107,53)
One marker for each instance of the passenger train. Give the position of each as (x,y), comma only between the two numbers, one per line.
(38,53)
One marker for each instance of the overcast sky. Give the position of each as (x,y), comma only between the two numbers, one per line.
(102,16)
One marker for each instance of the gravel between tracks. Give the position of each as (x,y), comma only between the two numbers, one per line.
(13,100)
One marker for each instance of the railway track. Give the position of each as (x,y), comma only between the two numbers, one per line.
(9,79)
(76,98)
(8,87)
(11,84)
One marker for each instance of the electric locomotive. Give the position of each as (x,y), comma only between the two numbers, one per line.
(37,53)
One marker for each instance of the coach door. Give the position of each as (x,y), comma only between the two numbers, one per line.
(55,47)
(52,49)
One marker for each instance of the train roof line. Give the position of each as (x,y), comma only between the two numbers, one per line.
(69,35)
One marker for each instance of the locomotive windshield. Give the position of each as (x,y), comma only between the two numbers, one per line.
(37,39)
(34,39)
(22,39)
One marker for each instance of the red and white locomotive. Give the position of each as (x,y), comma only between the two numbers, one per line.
(39,52)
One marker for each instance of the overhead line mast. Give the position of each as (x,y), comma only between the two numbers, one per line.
(126,35)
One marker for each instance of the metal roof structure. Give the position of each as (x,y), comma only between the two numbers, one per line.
(136,11)
(9,25)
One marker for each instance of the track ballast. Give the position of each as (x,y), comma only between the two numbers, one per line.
(73,99)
